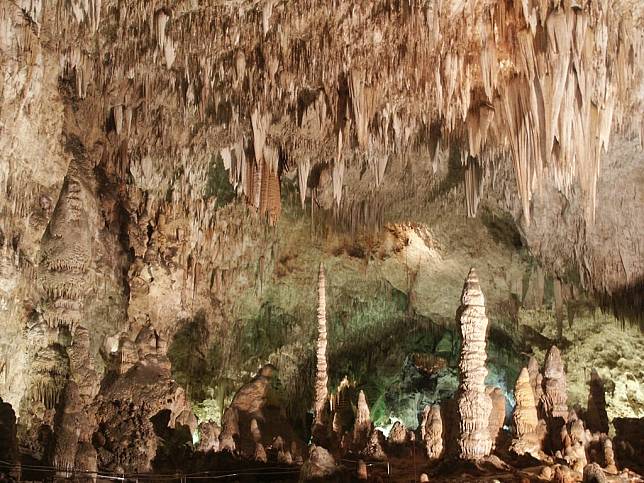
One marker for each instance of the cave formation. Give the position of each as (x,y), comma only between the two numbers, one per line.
(322,241)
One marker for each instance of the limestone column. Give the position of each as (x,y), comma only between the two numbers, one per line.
(474,405)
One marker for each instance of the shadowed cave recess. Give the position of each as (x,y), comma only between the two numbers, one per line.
(322,241)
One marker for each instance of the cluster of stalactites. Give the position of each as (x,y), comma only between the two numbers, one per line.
(541,81)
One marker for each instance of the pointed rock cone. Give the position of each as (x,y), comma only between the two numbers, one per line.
(362,425)
(474,405)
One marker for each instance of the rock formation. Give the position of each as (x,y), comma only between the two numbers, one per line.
(536,379)
(361,471)
(362,426)
(260,453)
(609,457)
(321,377)
(596,417)
(8,441)
(474,405)
(497,414)
(229,430)
(554,398)
(433,433)
(593,474)
(397,434)
(525,417)
(374,450)
(318,466)
(66,431)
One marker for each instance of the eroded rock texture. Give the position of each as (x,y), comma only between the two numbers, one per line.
(433,433)
(525,417)
(150,152)
(474,404)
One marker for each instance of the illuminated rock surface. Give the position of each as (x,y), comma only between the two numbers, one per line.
(172,175)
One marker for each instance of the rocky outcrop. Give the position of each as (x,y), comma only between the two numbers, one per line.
(593,474)
(596,417)
(433,433)
(321,376)
(474,405)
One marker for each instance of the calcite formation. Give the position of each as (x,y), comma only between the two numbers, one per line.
(208,436)
(525,417)
(497,414)
(554,398)
(397,434)
(321,377)
(362,427)
(8,440)
(596,417)
(474,404)
(433,433)
(149,155)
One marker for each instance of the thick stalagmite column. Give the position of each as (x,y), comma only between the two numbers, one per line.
(555,398)
(321,378)
(474,405)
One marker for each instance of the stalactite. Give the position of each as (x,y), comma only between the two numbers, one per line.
(474,405)
(303,169)
(473,184)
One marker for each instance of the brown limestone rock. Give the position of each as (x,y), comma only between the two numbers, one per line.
(474,405)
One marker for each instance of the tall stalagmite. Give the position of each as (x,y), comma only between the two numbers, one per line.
(525,417)
(474,405)
(554,399)
(321,378)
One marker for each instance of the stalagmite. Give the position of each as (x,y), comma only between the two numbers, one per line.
(474,405)
(229,430)
(555,398)
(361,471)
(398,434)
(362,426)
(536,379)
(433,436)
(260,453)
(321,378)
(609,457)
(525,417)
(497,414)
(596,417)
